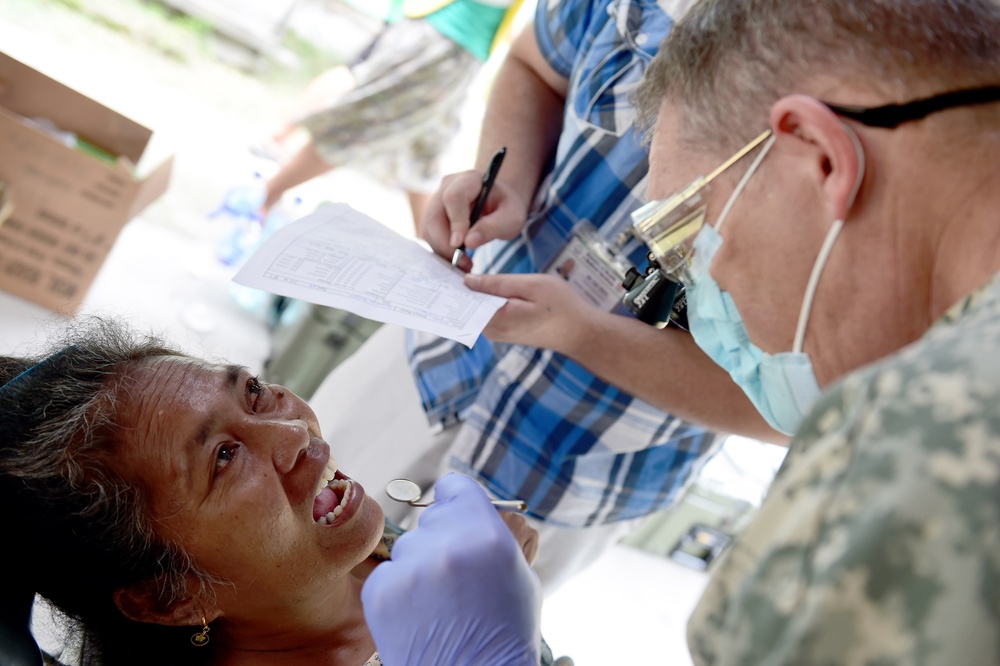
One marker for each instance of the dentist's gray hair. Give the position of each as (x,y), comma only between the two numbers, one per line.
(726,61)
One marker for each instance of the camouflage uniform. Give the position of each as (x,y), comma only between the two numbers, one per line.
(879,541)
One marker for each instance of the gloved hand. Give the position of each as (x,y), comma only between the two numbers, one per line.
(458,590)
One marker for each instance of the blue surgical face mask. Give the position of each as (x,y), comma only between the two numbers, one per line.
(783,386)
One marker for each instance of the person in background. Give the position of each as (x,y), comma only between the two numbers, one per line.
(861,210)
(394,110)
(590,457)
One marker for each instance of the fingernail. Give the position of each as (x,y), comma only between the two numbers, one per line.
(473,281)
(456,239)
(474,238)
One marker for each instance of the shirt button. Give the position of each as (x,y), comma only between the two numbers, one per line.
(503,381)
(641,38)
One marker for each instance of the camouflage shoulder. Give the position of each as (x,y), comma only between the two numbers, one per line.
(879,541)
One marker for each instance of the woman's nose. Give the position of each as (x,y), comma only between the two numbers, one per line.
(289,438)
(291,405)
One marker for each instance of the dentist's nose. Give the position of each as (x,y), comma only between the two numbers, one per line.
(290,439)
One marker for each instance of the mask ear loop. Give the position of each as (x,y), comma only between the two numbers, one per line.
(742,184)
(824,253)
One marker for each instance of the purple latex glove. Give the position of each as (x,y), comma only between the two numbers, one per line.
(458,590)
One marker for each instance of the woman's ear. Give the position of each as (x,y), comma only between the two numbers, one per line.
(831,149)
(145,602)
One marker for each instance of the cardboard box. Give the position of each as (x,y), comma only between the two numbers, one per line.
(70,202)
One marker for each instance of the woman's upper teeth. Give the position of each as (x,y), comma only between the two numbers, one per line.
(327,475)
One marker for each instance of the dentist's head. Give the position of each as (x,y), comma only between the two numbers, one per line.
(835,154)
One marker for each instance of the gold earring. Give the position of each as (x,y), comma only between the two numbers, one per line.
(200,638)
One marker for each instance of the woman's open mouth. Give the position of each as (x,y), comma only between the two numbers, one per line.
(337,496)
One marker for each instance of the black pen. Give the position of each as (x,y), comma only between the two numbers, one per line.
(492,169)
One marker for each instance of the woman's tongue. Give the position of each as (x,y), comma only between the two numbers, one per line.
(324,503)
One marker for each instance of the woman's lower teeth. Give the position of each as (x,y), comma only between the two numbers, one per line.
(345,488)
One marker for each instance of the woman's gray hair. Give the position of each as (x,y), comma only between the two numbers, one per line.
(81,530)
(726,62)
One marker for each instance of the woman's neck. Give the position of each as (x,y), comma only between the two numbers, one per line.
(330,632)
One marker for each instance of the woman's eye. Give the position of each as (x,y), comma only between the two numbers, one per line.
(225,455)
(254,391)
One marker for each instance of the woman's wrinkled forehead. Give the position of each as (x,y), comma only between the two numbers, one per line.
(178,375)
(166,381)
(162,401)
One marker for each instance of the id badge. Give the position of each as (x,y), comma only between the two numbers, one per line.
(594,268)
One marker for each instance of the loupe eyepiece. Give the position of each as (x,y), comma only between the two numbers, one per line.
(653,297)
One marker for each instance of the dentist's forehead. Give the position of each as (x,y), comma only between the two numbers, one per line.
(673,163)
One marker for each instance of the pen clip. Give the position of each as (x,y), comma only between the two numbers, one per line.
(493,166)
(489,177)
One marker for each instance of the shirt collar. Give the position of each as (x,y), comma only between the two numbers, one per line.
(956,311)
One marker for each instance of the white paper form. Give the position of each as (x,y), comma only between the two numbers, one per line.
(344,259)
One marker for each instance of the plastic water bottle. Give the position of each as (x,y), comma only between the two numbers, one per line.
(248,233)
(240,210)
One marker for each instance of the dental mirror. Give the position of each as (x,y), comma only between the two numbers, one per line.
(408,492)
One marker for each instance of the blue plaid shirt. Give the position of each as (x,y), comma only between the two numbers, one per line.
(534,424)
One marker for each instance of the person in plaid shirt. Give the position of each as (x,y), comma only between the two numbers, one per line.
(588,456)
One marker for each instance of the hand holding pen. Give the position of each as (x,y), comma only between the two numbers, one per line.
(489,177)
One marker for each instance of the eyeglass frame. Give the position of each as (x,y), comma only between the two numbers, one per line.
(670,247)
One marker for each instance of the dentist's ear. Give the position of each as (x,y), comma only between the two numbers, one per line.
(830,149)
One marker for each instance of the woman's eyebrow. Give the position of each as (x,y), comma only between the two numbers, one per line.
(233,374)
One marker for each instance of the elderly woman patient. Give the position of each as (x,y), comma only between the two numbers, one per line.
(180,512)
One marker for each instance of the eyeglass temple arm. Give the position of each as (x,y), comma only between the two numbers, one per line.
(738,156)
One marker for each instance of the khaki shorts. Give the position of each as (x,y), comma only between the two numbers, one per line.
(404,111)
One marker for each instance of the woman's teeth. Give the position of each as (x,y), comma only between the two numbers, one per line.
(327,475)
(343,488)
